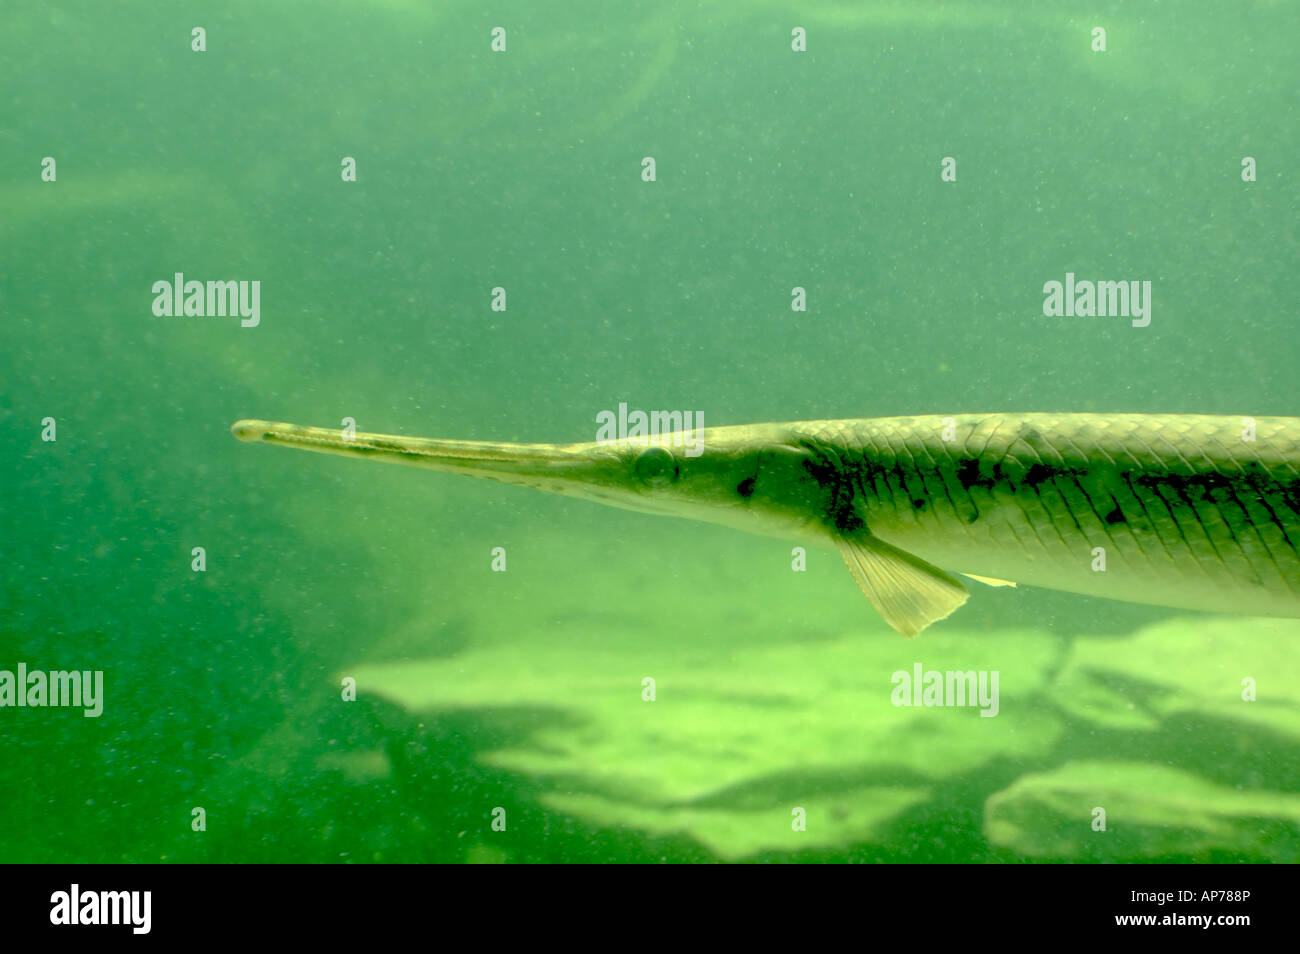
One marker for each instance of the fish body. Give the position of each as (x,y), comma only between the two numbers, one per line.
(1194,511)
(1191,511)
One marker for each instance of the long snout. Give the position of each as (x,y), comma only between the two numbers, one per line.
(526,464)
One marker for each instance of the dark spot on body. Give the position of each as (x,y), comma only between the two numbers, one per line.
(1038,473)
(746,488)
(847,520)
(919,503)
(1115,516)
(820,471)
(1291,493)
(838,482)
(969,475)
(1183,483)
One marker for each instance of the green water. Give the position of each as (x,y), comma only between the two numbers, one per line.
(519,695)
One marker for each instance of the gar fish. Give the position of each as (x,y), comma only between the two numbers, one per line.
(1191,511)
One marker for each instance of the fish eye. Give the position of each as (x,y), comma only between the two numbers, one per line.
(655,466)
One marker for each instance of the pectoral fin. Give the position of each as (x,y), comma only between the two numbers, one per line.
(908,592)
